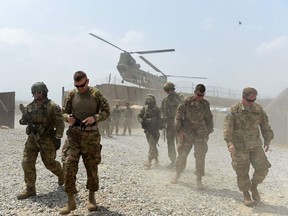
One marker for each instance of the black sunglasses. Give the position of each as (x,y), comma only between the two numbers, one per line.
(82,85)
(249,100)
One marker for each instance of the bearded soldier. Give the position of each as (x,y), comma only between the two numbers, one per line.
(168,107)
(151,121)
(45,130)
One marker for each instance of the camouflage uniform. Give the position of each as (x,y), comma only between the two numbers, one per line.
(151,121)
(116,114)
(242,129)
(128,115)
(168,107)
(45,124)
(84,142)
(195,119)
(105,127)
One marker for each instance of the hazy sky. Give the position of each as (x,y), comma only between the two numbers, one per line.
(48,40)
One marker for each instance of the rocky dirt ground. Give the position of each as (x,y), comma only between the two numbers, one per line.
(126,188)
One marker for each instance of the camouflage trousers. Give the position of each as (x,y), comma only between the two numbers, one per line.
(85,144)
(241,161)
(200,150)
(48,156)
(171,137)
(115,124)
(152,141)
(127,125)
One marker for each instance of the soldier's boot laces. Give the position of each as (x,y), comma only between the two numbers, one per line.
(247,199)
(199,183)
(255,193)
(26,193)
(70,206)
(92,206)
(156,162)
(61,179)
(147,164)
(175,178)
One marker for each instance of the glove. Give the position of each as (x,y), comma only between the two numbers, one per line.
(57,143)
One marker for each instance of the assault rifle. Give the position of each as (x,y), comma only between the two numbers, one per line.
(32,128)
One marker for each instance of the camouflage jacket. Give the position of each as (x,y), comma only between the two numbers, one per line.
(150,119)
(128,113)
(194,118)
(101,110)
(47,118)
(169,105)
(116,113)
(241,126)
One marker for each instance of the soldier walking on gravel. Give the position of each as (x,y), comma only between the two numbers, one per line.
(242,135)
(115,114)
(194,123)
(83,109)
(45,130)
(128,115)
(168,107)
(151,121)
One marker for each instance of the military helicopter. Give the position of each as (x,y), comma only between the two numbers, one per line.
(130,70)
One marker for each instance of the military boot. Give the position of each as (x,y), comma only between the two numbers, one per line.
(247,199)
(148,164)
(27,193)
(255,193)
(175,178)
(92,202)
(199,184)
(71,205)
(61,179)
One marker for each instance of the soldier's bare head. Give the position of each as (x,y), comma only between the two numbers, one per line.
(249,95)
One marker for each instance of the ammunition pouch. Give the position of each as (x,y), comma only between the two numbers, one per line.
(31,128)
(57,143)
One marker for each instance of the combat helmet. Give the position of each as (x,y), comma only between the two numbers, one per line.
(150,99)
(39,87)
(168,86)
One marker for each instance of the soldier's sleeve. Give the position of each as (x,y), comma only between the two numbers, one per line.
(104,108)
(228,128)
(209,119)
(67,107)
(59,123)
(180,112)
(266,130)
(141,115)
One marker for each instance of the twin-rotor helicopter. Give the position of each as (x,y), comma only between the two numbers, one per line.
(130,70)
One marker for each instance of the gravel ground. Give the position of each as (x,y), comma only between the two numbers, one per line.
(126,188)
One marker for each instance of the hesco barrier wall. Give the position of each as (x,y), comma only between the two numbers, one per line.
(7,109)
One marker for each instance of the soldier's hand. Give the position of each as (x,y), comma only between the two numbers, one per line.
(89,120)
(57,143)
(266,147)
(181,136)
(231,148)
(71,120)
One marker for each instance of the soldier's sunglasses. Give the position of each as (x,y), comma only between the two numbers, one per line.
(82,85)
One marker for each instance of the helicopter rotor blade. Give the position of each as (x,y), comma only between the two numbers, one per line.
(154,51)
(187,77)
(107,42)
(151,65)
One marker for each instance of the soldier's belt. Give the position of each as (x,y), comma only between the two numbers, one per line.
(88,128)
